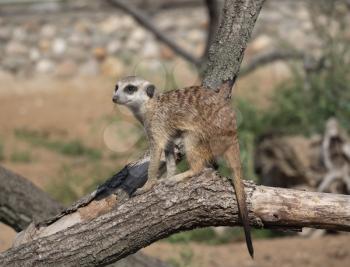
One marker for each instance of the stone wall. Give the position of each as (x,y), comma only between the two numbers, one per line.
(66,44)
(85,43)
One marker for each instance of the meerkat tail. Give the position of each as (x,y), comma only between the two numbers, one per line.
(233,157)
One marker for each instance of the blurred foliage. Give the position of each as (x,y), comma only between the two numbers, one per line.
(302,104)
(210,236)
(22,156)
(73,183)
(70,148)
(185,260)
(299,105)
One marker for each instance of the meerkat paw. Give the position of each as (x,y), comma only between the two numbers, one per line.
(182,176)
(146,187)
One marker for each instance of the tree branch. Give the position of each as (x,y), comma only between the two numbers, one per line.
(146,22)
(21,202)
(213,9)
(206,200)
(267,58)
(226,53)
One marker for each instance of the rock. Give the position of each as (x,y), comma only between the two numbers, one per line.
(113,47)
(99,53)
(14,63)
(126,22)
(44,45)
(45,66)
(5,33)
(59,46)
(150,50)
(16,48)
(90,67)
(138,35)
(83,26)
(196,36)
(110,25)
(261,43)
(77,53)
(19,34)
(66,68)
(79,39)
(132,46)
(166,52)
(112,67)
(98,39)
(34,54)
(48,31)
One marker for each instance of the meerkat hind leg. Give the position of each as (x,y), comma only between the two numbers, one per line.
(198,155)
(170,160)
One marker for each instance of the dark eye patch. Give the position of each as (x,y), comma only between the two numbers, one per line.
(130,89)
(116,88)
(150,90)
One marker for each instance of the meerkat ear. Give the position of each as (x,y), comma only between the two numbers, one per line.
(150,90)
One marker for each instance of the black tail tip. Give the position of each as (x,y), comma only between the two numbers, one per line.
(249,242)
(250,247)
(251,253)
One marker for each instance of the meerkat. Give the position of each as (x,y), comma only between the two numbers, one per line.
(203,118)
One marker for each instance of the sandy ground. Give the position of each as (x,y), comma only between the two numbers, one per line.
(285,252)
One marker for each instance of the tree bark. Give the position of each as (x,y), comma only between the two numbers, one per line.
(213,10)
(226,52)
(206,200)
(21,202)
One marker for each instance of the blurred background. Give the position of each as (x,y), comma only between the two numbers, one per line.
(60,60)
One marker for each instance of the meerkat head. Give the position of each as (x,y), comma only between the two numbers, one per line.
(133,92)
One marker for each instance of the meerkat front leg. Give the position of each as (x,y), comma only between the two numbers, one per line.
(153,167)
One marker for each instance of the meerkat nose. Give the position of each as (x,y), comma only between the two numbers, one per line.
(115,99)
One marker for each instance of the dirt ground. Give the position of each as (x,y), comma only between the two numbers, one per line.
(285,252)
(82,109)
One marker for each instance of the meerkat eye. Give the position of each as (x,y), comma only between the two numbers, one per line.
(130,89)
(116,88)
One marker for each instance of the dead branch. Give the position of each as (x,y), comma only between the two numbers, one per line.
(268,58)
(320,163)
(21,202)
(147,23)
(207,200)
(335,152)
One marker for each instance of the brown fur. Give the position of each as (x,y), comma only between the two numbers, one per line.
(207,124)
(205,121)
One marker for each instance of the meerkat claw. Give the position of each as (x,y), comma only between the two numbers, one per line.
(146,187)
